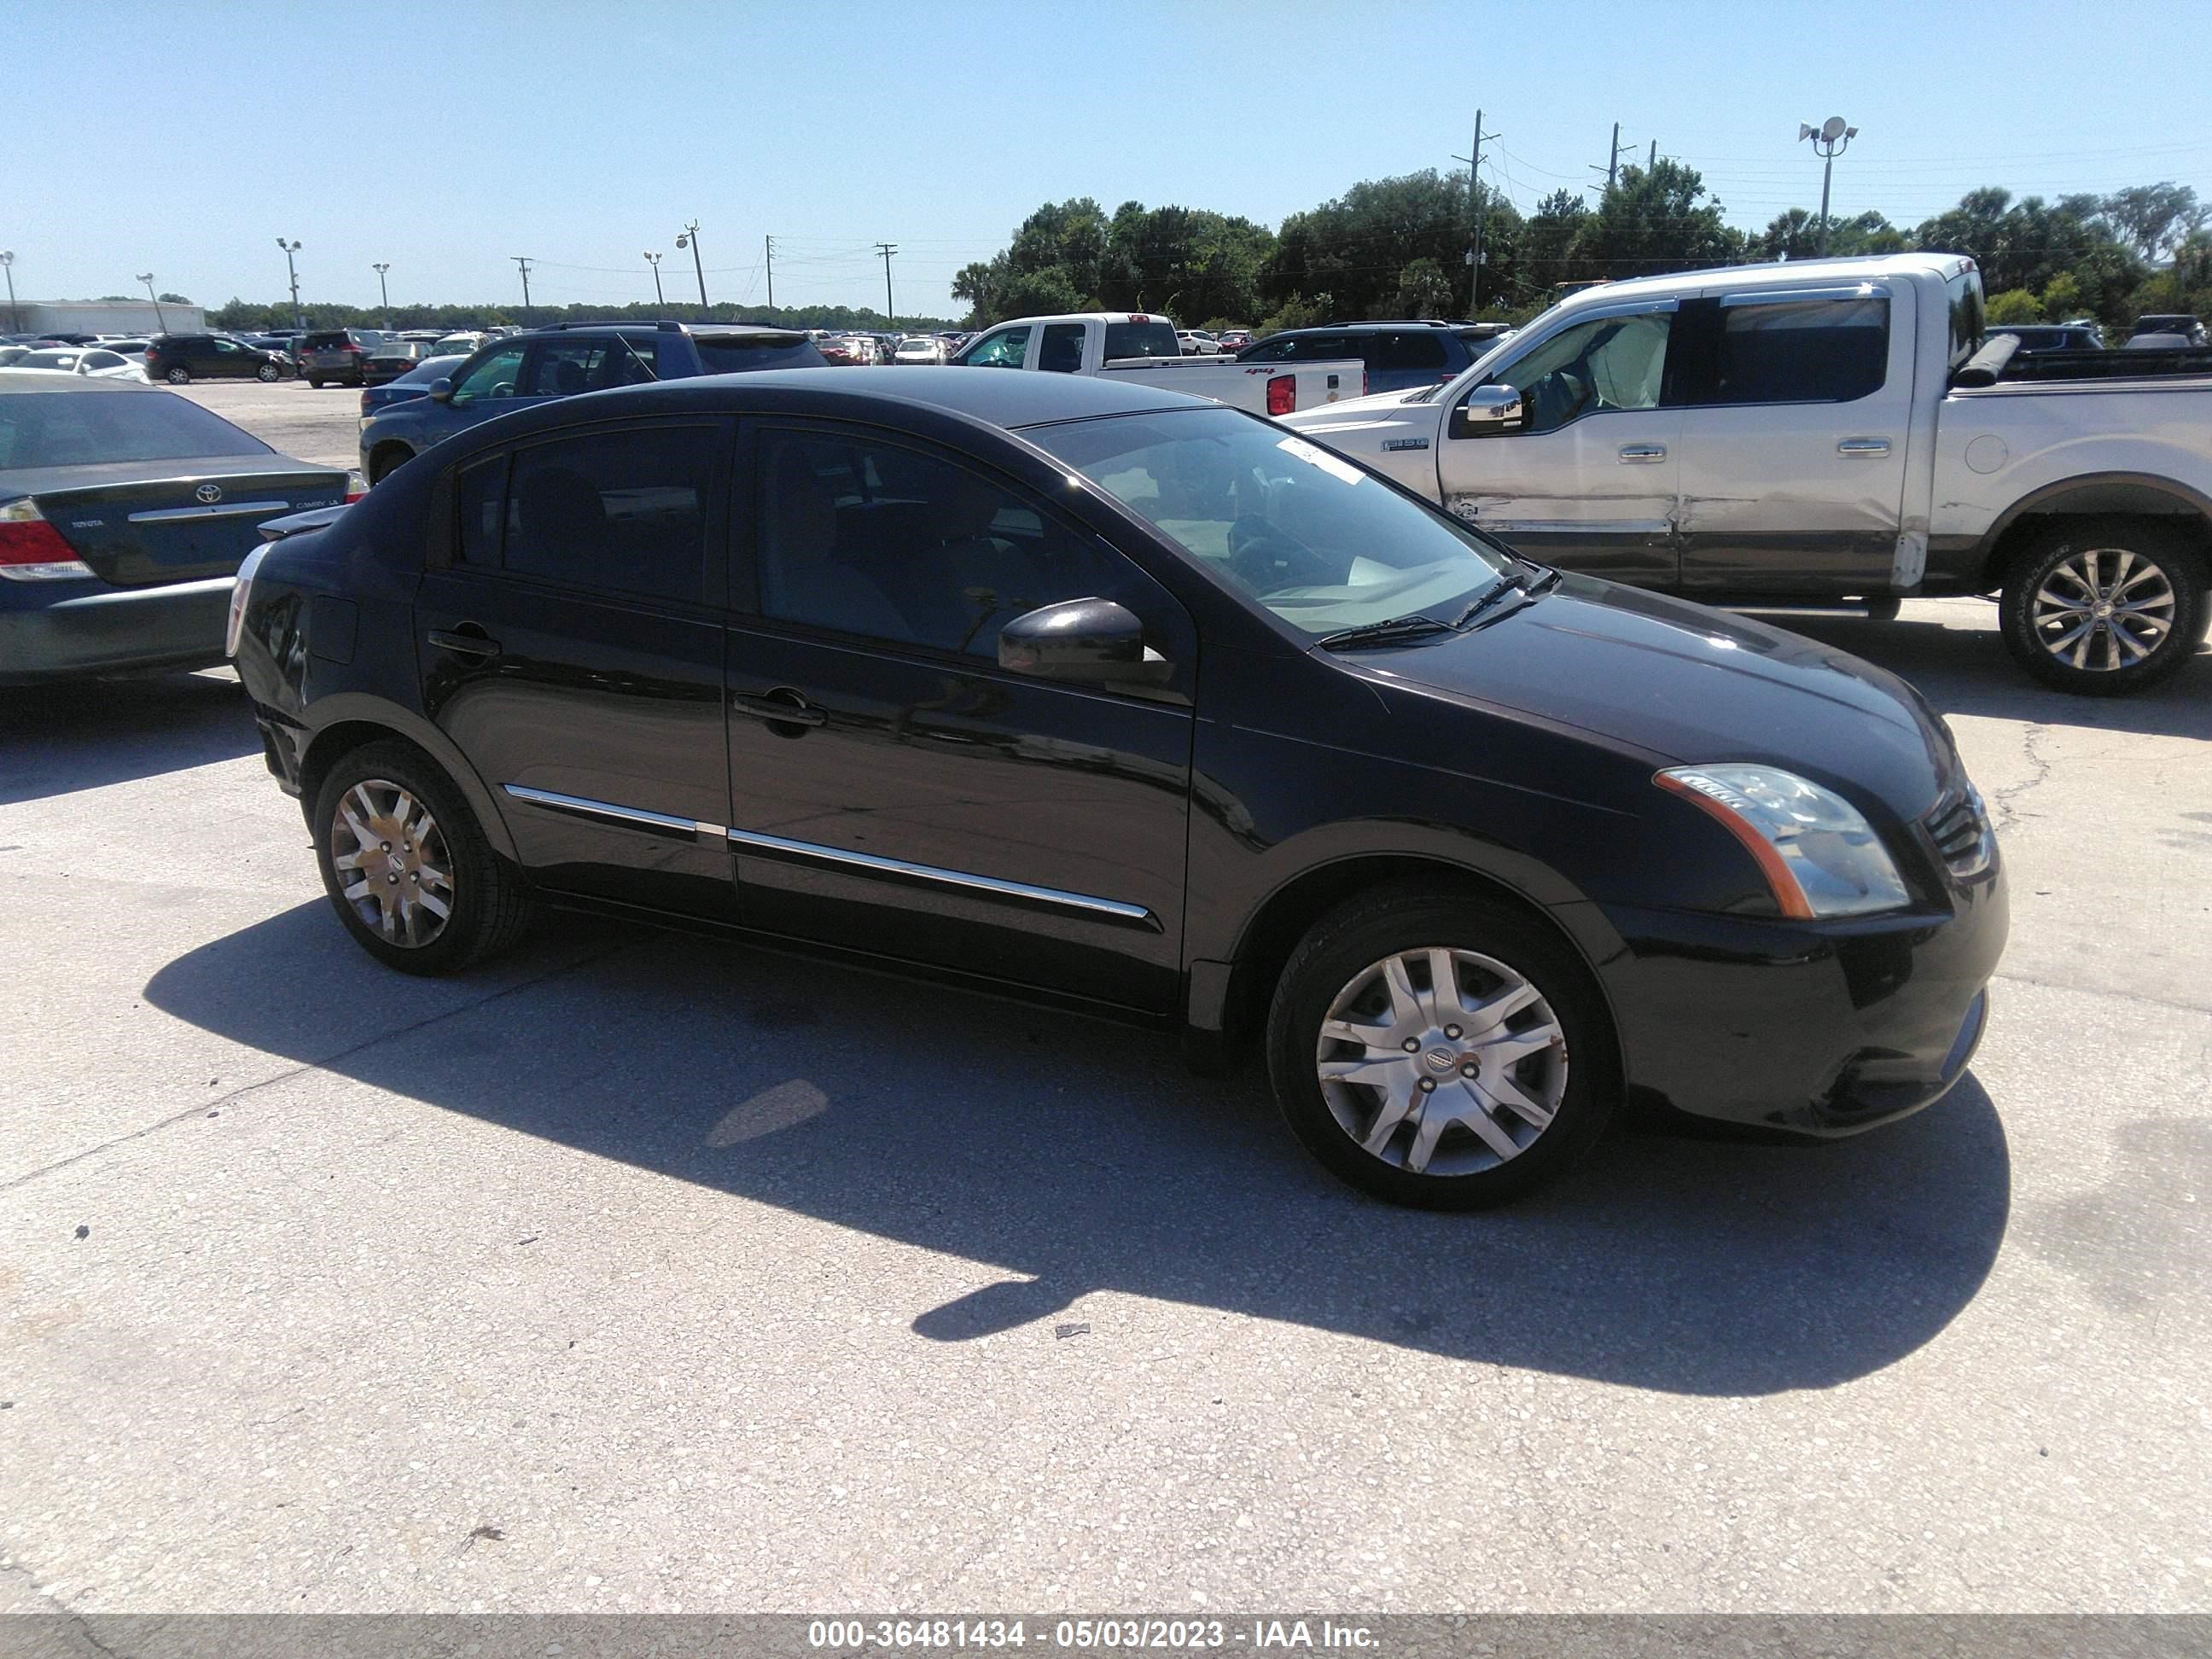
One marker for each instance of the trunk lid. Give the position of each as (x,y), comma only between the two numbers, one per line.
(196,519)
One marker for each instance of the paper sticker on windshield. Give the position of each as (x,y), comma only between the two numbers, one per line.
(1314,455)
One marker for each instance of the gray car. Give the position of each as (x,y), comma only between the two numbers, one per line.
(526,370)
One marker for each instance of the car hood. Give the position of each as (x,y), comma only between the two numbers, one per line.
(1383,413)
(1686,685)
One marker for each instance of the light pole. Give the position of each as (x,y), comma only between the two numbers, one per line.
(8,265)
(147,278)
(380,269)
(659,298)
(1830,139)
(299,317)
(690,238)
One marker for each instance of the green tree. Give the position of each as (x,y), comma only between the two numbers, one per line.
(1653,219)
(2015,305)
(1423,290)
(2062,297)
(1547,239)
(2154,220)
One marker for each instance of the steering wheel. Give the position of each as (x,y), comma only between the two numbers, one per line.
(1265,559)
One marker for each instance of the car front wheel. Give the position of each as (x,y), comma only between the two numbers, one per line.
(178,377)
(266,374)
(1443,1052)
(410,873)
(2103,607)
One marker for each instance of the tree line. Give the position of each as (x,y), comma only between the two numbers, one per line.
(1397,247)
(252,317)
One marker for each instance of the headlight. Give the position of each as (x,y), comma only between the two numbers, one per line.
(241,591)
(1818,852)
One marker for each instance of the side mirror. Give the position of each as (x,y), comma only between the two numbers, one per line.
(1083,640)
(1488,412)
(441,390)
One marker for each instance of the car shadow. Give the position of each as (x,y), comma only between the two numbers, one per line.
(56,740)
(1967,670)
(1069,1156)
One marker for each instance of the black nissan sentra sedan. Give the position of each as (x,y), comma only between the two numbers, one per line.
(1113,697)
(124,511)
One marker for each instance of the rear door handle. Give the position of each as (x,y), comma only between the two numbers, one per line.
(476,643)
(1631,453)
(1864,449)
(776,711)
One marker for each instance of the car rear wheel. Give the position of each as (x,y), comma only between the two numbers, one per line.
(409,870)
(2103,607)
(178,376)
(266,374)
(1443,1052)
(315,383)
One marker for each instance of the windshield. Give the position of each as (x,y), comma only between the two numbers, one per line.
(1318,542)
(82,429)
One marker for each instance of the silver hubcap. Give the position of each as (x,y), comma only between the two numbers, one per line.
(2104,608)
(392,857)
(1442,1062)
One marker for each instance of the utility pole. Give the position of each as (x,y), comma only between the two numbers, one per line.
(380,268)
(8,265)
(1652,161)
(1474,200)
(145,276)
(522,263)
(1830,139)
(887,249)
(768,250)
(690,238)
(1613,158)
(659,298)
(299,317)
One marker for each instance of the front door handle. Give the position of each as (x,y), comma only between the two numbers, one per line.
(780,708)
(1864,449)
(467,641)
(1631,454)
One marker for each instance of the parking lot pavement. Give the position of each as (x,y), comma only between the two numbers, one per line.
(320,426)
(646,1271)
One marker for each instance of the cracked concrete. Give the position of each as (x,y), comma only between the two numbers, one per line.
(685,1277)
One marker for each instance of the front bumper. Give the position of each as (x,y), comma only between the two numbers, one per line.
(1820,1029)
(109,630)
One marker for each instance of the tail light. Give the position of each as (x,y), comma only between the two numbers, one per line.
(241,591)
(357,486)
(1282,393)
(350,346)
(33,550)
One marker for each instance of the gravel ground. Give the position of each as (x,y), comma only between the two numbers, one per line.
(640,1272)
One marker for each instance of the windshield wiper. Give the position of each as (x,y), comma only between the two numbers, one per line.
(1383,633)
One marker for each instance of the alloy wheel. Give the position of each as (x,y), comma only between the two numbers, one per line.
(392,862)
(1441,1061)
(2103,608)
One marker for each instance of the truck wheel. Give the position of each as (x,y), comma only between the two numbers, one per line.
(1420,1044)
(2103,607)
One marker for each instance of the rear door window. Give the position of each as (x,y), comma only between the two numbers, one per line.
(1812,351)
(621,513)
(1414,351)
(564,367)
(1061,351)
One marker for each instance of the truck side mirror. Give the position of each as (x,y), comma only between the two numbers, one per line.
(1488,412)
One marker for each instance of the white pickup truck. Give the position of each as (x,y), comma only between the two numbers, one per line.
(1131,345)
(1801,434)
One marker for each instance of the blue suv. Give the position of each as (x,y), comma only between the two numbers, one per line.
(525,369)
(1398,355)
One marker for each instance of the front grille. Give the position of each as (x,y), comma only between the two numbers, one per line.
(1959,824)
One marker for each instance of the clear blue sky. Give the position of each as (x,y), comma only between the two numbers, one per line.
(185,139)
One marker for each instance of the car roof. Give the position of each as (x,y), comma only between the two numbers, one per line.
(1007,398)
(45,379)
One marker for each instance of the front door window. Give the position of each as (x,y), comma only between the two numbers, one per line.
(495,376)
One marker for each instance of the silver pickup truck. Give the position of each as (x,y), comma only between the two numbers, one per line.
(1831,430)
(1134,346)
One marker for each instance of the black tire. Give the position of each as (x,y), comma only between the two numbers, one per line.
(1883,610)
(178,375)
(268,373)
(489,910)
(386,461)
(1364,932)
(2056,562)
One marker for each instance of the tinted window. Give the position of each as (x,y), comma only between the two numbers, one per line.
(1060,352)
(1606,363)
(870,537)
(493,376)
(1318,542)
(1799,352)
(480,494)
(740,356)
(1966,320)
(1152,339)
(564,367)
(329,340)
(1408,350)
(622,512)
(1277,350)
(77,428)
